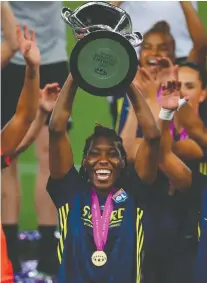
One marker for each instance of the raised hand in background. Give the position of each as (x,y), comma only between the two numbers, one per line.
(171,97)
(28,45)
(48,96)
(166,71)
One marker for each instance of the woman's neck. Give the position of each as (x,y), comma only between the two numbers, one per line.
(103,192)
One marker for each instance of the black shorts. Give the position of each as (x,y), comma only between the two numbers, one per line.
(12,80)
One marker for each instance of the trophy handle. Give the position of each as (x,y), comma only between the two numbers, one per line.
(68,16)
(93,28)
(65,14)
(77,27)
(135,38)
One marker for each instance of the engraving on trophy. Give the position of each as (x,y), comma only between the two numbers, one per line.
(100,71)
(103,60)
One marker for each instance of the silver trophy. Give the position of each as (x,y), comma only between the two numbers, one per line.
(104,61)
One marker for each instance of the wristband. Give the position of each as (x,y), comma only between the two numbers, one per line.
(166,114)
(181,103)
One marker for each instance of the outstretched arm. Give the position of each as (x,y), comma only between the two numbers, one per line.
(13,133)
(177,172)
(169,163)
(128,134)
(191,149)
(48,97)
(147,157)
(9,45)
(187,149)
(60,152)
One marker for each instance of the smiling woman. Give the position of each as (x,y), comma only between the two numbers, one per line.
(104,158)
(158,42)
(101,207)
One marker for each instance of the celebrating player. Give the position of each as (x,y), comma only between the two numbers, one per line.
(91,247)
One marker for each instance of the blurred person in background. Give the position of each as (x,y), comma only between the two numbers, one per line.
(144,14)
(14,131)
(158,43)
(51,40)
(191,150)
(47,99)
(159,39)
(194,83)
(174,217)
(9,45)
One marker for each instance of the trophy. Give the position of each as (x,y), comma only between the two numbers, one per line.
(103,61)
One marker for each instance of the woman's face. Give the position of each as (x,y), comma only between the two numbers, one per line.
(103,163)
(155,45)
(191,85)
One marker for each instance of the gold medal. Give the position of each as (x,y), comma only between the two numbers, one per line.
(99,258)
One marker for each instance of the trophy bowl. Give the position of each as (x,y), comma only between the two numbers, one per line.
(103,61)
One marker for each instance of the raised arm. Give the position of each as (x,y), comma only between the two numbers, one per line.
(169,163)
(9,45)
(192,123)
(60,152)
(147,157)
(196,31)
(128,134)
(48,97)
(177,172)
(14,131)
(189,149)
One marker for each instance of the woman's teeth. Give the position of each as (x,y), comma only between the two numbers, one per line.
(103,174)
(152,62)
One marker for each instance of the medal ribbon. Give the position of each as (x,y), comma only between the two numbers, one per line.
(101,223)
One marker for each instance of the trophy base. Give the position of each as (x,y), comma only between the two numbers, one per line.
(103,63)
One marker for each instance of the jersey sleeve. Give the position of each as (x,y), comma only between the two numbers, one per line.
(62,190)
(122,112)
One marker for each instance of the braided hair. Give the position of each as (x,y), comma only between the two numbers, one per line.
(100,131)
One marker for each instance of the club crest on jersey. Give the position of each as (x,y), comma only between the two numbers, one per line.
(120,196)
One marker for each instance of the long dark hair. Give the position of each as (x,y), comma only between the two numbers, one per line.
(200,69)
(100,131)
(203,78)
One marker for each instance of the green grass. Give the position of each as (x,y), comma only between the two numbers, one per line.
(87,110)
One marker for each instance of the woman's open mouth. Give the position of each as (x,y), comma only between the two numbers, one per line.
(152,62)
(103,174)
